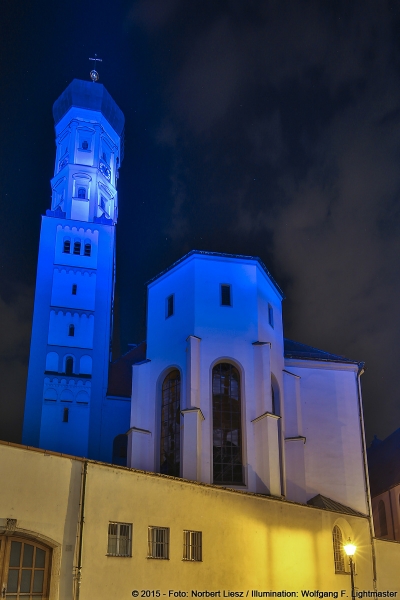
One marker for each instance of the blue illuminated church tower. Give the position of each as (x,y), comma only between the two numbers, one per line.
(67,409)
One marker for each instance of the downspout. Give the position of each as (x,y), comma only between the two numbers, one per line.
(78,573)
(366,478)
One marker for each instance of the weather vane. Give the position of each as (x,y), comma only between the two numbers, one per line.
(94,76)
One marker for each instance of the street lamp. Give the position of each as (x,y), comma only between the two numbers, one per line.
(350,549)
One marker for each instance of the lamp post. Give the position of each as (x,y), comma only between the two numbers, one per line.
(350,549)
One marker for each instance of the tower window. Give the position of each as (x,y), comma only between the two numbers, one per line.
(65,415)
(71,330)
(67,246)
(69,366)
(271,315)
(74,289)
(88,249)
(169,306)
(226,299)
(85,145)
(77,247)
(81,192)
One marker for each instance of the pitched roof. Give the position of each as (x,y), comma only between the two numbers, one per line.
(120,371)
(384,463)
(297,350)
(323,502)
(220,255)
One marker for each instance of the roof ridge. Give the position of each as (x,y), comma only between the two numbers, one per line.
(220,254)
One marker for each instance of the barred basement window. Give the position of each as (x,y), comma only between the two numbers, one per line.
(338,553)
(158,542)
(67,246)
(77,247)
(88,249)
(119,539)
(192,545)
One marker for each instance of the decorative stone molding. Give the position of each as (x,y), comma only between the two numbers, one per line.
(11,525)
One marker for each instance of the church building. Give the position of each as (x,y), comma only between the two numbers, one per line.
(233,456)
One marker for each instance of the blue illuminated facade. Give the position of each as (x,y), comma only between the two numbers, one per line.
(67,409)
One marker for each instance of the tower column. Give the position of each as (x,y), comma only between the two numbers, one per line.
(66,406)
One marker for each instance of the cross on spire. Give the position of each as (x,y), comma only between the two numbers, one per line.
(94,76)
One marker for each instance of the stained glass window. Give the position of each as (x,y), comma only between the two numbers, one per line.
(227,425)
(170,425)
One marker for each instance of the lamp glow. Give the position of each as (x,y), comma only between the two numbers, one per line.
(350,548)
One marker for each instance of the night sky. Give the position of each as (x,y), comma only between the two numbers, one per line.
(265,128)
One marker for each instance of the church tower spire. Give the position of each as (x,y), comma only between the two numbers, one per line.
(66,408)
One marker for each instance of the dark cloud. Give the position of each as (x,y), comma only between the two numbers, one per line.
(153,14)
(262,127)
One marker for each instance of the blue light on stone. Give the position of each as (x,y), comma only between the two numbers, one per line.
(72,322)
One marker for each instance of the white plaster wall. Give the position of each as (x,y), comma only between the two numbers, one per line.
(59,328)
(64,279)
(330,417)
(227,334)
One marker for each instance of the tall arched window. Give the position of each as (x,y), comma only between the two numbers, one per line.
(227,425)
(69,366)
(382,518)
(338,553)
(170,443)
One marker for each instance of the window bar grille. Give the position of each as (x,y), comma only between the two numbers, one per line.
(192,545)
(158,542)
(119,539)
